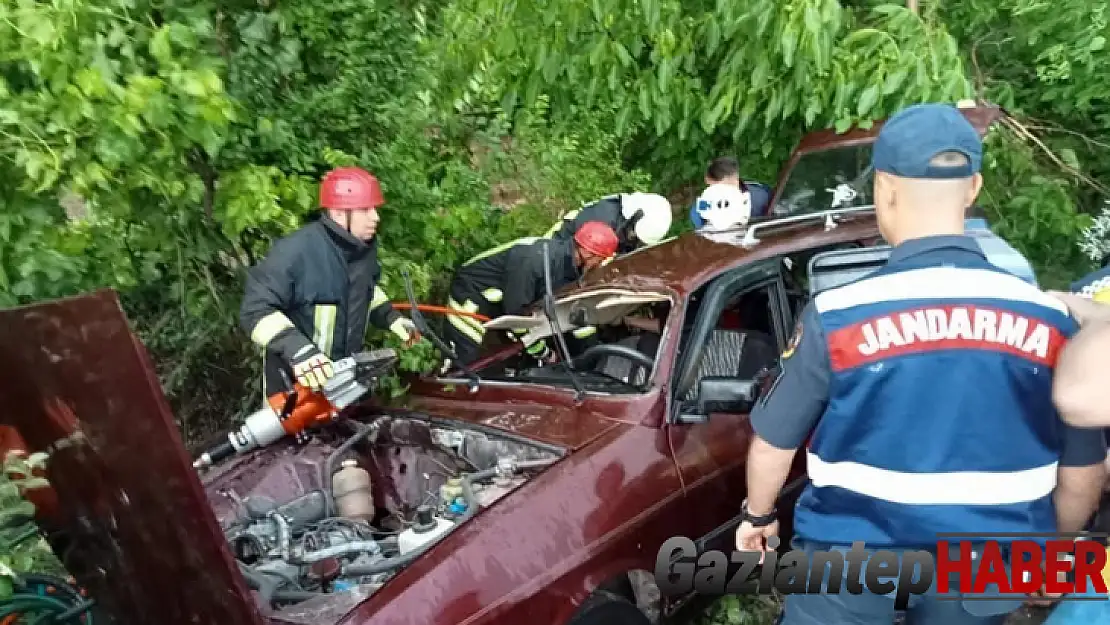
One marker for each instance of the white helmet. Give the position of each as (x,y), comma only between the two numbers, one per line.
(655,222)
(724,206)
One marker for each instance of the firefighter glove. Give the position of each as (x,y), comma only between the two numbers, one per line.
(406,330)
(312,367)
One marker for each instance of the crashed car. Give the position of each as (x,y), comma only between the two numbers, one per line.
(506,492)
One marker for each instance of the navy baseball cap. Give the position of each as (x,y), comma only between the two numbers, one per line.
(913,136)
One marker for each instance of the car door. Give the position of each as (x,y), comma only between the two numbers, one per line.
(737,328)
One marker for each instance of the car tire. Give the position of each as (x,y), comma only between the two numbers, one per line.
(606,608)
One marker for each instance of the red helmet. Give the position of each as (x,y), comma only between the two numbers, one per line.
(350,188)
(597,238)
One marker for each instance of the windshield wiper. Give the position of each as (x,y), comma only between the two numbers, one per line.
(552,318)
(422,325)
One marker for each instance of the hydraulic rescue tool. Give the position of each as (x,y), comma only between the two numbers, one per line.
(294,412)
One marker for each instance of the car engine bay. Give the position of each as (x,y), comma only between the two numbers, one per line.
(317,526)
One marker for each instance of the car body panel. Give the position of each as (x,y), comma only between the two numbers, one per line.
(142,539)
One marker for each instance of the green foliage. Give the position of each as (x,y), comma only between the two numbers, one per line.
(742,610)
(691,77)
(22,548)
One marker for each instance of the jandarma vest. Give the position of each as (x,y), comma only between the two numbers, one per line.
(939,416)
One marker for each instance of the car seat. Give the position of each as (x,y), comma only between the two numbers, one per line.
(734,353)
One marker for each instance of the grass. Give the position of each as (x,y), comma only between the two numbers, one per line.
(741,610)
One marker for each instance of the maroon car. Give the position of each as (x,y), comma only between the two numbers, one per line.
(509,493)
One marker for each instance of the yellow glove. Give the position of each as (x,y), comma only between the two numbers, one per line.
(314,369)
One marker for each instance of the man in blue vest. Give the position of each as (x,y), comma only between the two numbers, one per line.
(924,390)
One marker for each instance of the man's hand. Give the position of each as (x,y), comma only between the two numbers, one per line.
(406,330)
(749,538)
(1084,310)
(314,369)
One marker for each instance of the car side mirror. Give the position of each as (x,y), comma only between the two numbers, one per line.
(725,394)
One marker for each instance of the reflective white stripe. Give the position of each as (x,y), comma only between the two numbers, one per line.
(325,327)
(400,327)
(492,296)
(955,488)
(268,327)
(935,283)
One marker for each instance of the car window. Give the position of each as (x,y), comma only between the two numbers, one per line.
(833,178)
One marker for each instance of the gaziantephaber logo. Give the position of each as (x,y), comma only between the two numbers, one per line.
(962,567)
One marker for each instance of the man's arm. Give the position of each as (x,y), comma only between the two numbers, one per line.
(1079,388)
(1080,478)
(787,413)
(268,293)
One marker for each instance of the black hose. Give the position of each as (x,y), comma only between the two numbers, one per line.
(468,491)
(329,464)
(267,587)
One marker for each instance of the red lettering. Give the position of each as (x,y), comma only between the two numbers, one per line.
(1022,566)
(946,567)
(992,569)
(1056,567)
(1090,560)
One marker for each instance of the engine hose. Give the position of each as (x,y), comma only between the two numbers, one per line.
(46,609)
(267,587)
(351,548)
(329,464)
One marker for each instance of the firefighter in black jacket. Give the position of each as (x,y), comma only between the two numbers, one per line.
(308,302)
(639,219)
(507,279)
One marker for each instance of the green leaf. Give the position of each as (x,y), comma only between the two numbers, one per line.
(1098,43)
(867,100)
(842,125)
(1070,159)
(894,81)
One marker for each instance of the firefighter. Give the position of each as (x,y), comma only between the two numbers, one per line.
(308,302)
(639,219)
(901,446)
(505,280)
(723,206)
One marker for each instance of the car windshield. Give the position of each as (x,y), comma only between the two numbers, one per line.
(833,178)
(612,338)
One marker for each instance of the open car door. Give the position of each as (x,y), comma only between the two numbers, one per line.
(138,533)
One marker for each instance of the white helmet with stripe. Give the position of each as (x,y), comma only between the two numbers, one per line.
(654,221)
(724,206)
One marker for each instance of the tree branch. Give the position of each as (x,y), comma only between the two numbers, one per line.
(1025,132)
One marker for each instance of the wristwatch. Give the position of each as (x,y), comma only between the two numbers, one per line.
(757,521)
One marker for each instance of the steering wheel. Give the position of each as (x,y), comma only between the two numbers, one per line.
(589,357)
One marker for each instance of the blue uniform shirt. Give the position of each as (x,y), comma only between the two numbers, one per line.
(1095,285)
(895,410)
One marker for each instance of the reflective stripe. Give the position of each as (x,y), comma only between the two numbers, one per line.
(270,326)
(954,488)
(536,348)
(932,283)
(501,248)
(379,298)
(324,327)
(492,296)
(469,326)
(568,217)
(400,327)
(586,332)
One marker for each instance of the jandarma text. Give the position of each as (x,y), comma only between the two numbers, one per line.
(1014,568)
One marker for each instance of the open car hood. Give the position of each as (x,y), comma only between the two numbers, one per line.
(141,537)
(594,307)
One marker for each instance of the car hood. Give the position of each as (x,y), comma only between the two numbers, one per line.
(564,427)
(139,533)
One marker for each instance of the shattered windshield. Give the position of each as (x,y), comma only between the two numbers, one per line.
(833,178)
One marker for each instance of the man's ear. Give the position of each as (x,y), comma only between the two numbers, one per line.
(974,188)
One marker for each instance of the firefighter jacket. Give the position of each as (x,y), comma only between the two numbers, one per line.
(317,286)
(608,211)
(507,279)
